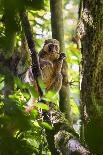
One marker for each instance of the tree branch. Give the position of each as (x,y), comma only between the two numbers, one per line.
(31,44)
(64,138)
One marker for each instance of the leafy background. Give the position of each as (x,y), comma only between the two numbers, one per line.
(20,132)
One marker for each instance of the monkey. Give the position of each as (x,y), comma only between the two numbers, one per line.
(51,61)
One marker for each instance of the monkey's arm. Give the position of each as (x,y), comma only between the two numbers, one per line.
(44,63)
(59,62)
(56,82)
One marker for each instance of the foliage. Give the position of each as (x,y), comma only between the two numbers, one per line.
(21,132)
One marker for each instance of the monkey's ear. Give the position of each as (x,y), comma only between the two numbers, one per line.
(46,42)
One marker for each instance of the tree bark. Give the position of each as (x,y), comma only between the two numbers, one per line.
(92,68)
(34,56)
(58,33)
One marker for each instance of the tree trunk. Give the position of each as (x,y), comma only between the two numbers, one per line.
(92,81)
(58,33)
(7,46)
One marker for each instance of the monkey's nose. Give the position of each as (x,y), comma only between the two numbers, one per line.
(51,48)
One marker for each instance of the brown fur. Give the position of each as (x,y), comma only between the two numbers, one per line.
(51,61)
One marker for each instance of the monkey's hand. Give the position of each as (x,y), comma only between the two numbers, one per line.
(62,56)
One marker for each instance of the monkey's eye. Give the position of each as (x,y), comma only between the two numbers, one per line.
(50,47)
(56,47)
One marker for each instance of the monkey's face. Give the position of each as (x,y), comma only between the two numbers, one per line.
(52,50)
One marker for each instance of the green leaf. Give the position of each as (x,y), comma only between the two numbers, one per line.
(42,85)
(35,4)
(42,106)
(33,91)
(36,124)
(34,113)
(19,83)
(1,82)
(46,125)
(50,95)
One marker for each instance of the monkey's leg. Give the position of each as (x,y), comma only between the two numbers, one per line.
(30,104)
(56,83)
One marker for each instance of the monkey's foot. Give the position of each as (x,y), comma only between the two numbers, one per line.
(30,104)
